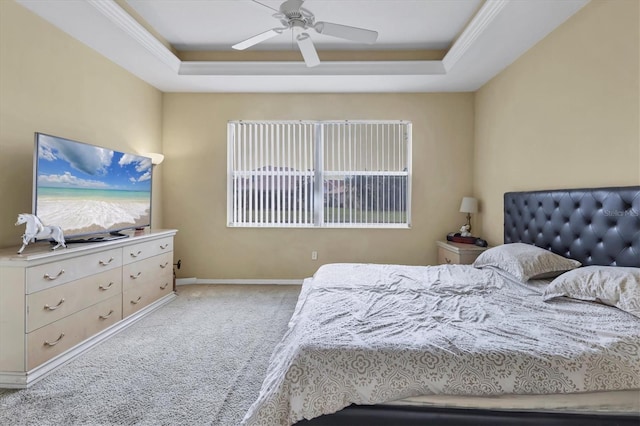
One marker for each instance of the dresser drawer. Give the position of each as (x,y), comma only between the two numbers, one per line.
(458,253)
(147,249)
(446,257)
(147,270)
(52,274)
(55,338)
(46,306)
(145,293)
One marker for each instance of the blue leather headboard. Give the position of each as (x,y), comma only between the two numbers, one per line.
(596,226)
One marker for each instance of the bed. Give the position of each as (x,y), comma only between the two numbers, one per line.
(388,344)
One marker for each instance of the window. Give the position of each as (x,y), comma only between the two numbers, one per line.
(363,167)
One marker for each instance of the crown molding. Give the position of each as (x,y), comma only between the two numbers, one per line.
(498,33)
(124,21)
(480,22)
(121,18)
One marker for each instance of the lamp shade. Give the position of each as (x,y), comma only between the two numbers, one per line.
(469,205)
(155,158)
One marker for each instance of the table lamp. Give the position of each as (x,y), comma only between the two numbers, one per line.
(469,205)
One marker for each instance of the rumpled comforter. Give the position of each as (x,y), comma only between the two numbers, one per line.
(368,334)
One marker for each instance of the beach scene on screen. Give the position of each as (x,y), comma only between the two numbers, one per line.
(86,189)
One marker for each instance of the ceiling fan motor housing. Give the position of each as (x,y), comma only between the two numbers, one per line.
(291,7)
(293,15)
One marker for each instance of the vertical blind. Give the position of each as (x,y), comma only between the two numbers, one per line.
(319,173)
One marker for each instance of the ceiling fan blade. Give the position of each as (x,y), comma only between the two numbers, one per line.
(308,50)
(345,31)
(257,39)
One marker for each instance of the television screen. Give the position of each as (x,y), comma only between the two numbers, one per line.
(87,189)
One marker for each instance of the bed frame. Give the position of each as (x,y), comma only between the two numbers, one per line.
(596,226)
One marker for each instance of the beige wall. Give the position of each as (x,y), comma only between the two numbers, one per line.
(51,83)
(194,134)
(564,115)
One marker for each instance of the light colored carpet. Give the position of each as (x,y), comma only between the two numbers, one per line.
(199,360)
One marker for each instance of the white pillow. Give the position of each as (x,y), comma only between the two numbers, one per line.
(525,261)
(612,285)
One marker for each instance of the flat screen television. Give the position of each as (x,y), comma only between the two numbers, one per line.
(91,192)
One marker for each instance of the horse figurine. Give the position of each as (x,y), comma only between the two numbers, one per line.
(36,230)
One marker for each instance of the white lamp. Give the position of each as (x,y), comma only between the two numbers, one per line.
(155,158)
(469,205)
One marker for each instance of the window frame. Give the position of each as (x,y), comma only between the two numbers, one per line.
(319,173)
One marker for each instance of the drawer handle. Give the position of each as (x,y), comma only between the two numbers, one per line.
(135,254)
(134,277)
(135,302)
(165,265)
(103,263)
(50,278)
(107,287)
(54,342)
(163,246)
(162,287)
(446,259)
(104,317)
(53,308)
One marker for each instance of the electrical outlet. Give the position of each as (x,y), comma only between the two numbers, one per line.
(314,255)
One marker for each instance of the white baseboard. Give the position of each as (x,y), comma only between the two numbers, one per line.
(187,281)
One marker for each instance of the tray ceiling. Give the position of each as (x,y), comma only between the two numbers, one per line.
(422,46)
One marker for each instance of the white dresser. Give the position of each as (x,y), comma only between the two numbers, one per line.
(54,305)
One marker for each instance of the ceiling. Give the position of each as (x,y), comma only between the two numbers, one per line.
(216,25)
(422,45)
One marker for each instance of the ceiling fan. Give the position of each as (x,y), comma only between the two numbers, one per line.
(298,19)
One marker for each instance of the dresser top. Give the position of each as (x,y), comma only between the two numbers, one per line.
(41,252)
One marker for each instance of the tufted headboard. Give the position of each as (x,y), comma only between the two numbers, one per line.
(597,226)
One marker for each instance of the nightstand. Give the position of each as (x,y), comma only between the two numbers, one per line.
(450,253)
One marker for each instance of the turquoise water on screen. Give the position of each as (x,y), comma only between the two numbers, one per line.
(92,194)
